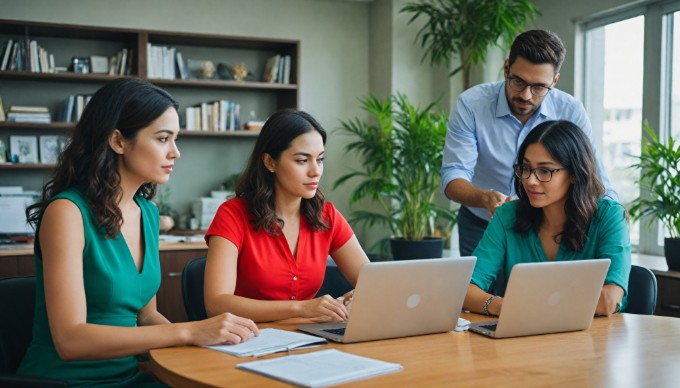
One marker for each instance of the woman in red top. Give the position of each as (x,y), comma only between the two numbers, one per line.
(267,248)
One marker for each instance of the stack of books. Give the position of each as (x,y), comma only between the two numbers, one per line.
(29,114)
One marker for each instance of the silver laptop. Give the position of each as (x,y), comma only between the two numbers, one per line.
(396,299)
(548,297)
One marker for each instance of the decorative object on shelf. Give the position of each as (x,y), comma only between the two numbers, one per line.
(224,72)
(201,69)
(80,65)
(468,28)
(659,166)
(239,71)
(400,159)
(23,149)
(208,70)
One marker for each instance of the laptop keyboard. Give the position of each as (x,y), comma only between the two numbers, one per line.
(489,327)
(339,331)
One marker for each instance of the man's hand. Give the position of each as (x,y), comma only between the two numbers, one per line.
(493,199)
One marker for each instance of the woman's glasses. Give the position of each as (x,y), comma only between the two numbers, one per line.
(541,173)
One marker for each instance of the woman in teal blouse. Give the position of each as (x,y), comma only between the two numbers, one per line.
(96,246)
(560,215)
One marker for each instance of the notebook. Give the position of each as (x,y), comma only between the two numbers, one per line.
(548,297)
(395,299)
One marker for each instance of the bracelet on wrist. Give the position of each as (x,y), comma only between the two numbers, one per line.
(485,307)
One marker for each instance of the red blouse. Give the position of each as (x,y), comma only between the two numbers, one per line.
(266,268)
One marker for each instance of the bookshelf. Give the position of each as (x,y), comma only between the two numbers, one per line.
(257,99)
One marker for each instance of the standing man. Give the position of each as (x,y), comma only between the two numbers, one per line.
(490,121)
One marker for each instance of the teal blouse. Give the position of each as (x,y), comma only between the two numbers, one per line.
(115,291)
(502,247)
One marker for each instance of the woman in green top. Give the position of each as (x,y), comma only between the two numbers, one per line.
(560,215)
(96,246)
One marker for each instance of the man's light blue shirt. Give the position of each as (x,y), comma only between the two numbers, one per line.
(483,137)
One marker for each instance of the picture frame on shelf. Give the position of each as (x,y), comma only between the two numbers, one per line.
(49,149)
(99,64)
(23,149)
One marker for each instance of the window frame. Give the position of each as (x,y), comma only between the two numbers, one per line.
(656,82)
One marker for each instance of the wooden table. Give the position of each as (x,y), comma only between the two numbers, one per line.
(624,350)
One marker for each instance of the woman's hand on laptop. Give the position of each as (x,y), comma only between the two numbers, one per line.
(324,309)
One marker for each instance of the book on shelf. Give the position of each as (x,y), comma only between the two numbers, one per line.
(286,69)
(28,109)
(2,110)
(6,51)
(181,67)
(271,69)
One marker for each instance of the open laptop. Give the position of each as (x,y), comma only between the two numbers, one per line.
(402,298)
(548,297)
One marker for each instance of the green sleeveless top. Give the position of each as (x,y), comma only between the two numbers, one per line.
(115,291)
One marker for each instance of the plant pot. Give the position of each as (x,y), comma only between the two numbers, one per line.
(429,248)
(671,248)
(166,223)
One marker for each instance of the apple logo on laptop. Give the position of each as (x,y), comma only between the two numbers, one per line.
(554,298)
(413,300)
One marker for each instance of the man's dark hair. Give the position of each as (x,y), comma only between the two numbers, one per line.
(538,46)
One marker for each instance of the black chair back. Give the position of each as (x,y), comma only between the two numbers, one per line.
(642,291)
(17,304)
(192,289)
(334,284)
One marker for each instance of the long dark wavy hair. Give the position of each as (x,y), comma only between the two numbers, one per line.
(256,184)
(569,146)
(125,104)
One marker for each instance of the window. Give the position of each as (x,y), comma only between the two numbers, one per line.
(631,74)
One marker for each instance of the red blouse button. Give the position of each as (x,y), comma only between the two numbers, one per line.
(292,297)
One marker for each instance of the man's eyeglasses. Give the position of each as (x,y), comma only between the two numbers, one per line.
(541,173)
(519,85)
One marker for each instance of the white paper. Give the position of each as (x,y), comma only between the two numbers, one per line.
(270,341)
(320,369)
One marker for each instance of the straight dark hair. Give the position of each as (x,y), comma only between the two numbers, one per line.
(538,47)
(126,104)
(256,184)
(569,146)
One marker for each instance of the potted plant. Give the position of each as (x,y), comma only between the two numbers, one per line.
(400,153)
(659,165)
(166,221)
(468,28)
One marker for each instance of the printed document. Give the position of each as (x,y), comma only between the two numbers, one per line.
(320,369)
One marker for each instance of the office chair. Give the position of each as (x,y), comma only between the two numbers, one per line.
(192,289)
(334,284)
(642,291)
(17,304)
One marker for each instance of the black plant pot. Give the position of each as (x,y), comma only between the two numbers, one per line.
(429,248)
(671,248)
